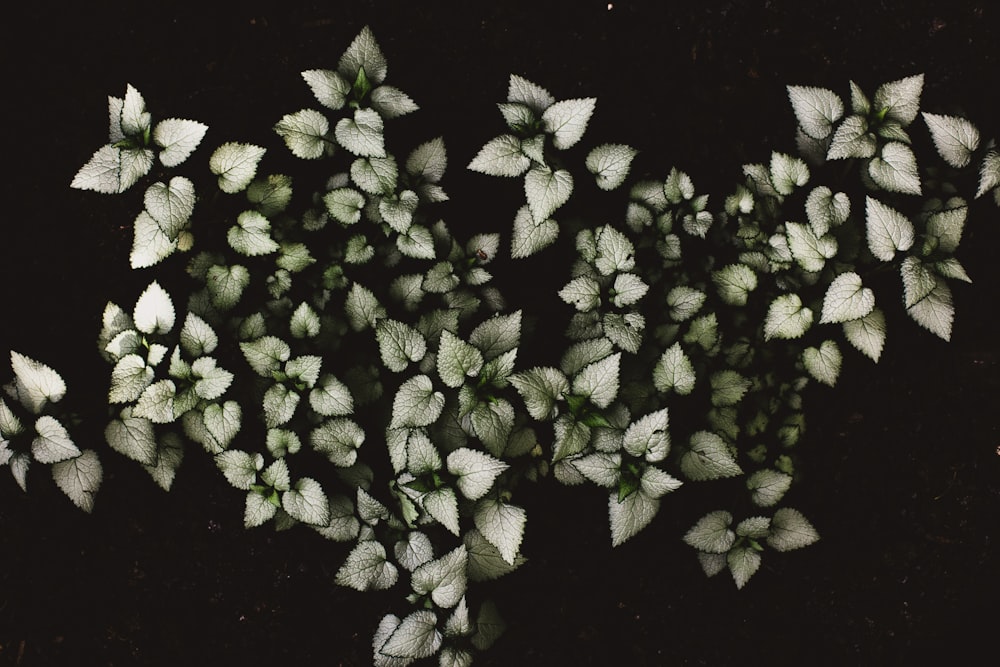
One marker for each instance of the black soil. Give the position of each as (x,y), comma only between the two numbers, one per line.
(901,460)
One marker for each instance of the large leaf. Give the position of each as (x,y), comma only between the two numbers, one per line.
(501,156)
(630,515)
(133,437)
(363,53)
(235,164)
(541,388)
(674,371)
(170,205)
(712,533)
(80,478)
(787,318)
(888,230)
(708,457)
(475,471)
(444,578)
(307,502)
(112,170)
(416,403)
(895,169)
(846,299)
(35,383)
(955,138)
(529,236)
(178,138)
(150,245)
(415,637)
(546,190)
(567,121)
(502,525)
(305,133)
(362,134)
(599,381)
(366,568)
(399,344)
(52,442)
(935,311)
(867,334)
(900,100)
(816,109)
(610,164)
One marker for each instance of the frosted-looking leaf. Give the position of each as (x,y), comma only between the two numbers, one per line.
(362,134)
(150,245)
(541,388)
(364,52)
(708,457)
(846,299)
(501,156)
(712,533)
(674,372)
(728,387)
(329,87)
(113,170)
(226,284)
(428,160)
(306,502)
(305,133)
(895,169)
(10,425)
(399,344)
(955,138)
(362,308)
(392,102)
(567,120)
(610,164)
(239,467)
(266,354)
(546,190)
(133,118)
(398,211)
(502,525)
(648,437)
(366,568)
(583,292)
(825,210)
(935,311)
(129,378)
(599,380)
(258,509)
(628,289)
(80,478)
(416,403)
(475,471)
(133,437)
(788,173)
(414,550)
(900,99)
(918,281)
(345,205)
(685,302)
(529,236)
(457,360)
(888,230)
(733,282)
(416,637)
(989,174)
(442,505)
(615,252)
(810,251)
(768,486)
(630,515)
(484,560)
(52,442)
(867,334)
(339,440)
(946,226)
(170,205)
(279,405)
(790,530)
(235,164)
(178,138)
(35,383)
(852,139)
(170,454)
(331,398)
(743,562)
(823,363)
(522,91)
(251,235)
(787,318)
(444,578)
(816,109)
(154,311)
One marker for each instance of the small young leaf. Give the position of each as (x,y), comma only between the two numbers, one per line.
(816,109)
(888,230)
(823,363)
(610,164)
(502,525)
(790,530)
(712,533)
(235,164)
(178,138)
(787,318)
(546,190)
(708,457)
(363,53)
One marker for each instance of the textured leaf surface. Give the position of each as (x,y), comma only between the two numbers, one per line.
(502,525)
(787,318)
(444,578)
(235,164)
(416,637)
(935,311)
(712,533)
(35,383)
(366,568)
(307,502)
(674,371)
(170,205)
(867,334)
(630,515)
(708,457)
(847,299)
(52,442)
(567,121)
(610,164)
(178,138)
(364,52)
(791,530)
(399,344)
(888,230)
(816,109)
(501,156)
(599,380)
(955,138)
(457,360)
(540,388)
(133,437)
(895,169)
(823,363)
(852,139)
(546,190)
(743,562)
(80,478)
(900,99)
(416,403)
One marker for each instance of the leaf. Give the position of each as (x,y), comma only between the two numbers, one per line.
(52,442)
(895,169)
(935,311)
(363,53)
(583,292)
(306,502)
(615,252)
(810,251)
(955,138)
(150,245)
(475,471)
(399,344)
(484,560)
(154,311)
(599,381)
(708,457)
(178,138)
(989,174)
(733,282)
(331,398)
(391,102)
(416,403)
(790,530)
(112,170)
(846,299)
(648,437)
(823,363)
(610,164)
(133,437)
(674,372)
(444,579)
(728,387)
(546,190)
(235,164)
(628,288)
(344,204)
(571,437)
(567,121)
(414,550)
(366,568)
(416,637)
(685,302)
(888,230)
(497,335)
(35,384)
(10,425)
(540,388)
(630,515)
(788,173)
(226,285)
(329,87)
(743,563)
(170,205)
(362,308)
(251,236)
(362,134)
(712,533)
(339,440)
(258,509)
(529,236)
(852,139)
(525,92)
(825,210)
(816,109)
(900,99)
(787,318)
(266,355)
(457,360)
(239,467)
(170,454)
(502,525)
(867,334)
(80,478)
(946,227)
(501,156)
(768,486)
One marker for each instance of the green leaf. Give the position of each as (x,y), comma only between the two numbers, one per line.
(768,486)
(788,173)
(226,285)
(416,403)
(281,442)
(790,530)
(428,161)
(867,334)
(266,354)
(888,230)
(610,164)
(501,156)
(708,457)
(329,87)
(399,344)
(787,318)
(712,533)
(344,204)
(178,138)
(294,257)
(362,308)
(366,568)
(52,442)
(239,467)
(567,121)
(235,164)
(502,525)
(846,299)
(685,302)
(529,236)
(10,425)
(852,139)
(946,227)
(362,134)
(935,311)
(743,562)
(630,515)
(170,205)
(810,251)
(674,372)
(457,360)
(79,478)
(306,502)
(599,381)
(339,440)
(733,282)
(571,437)
(35,384)
(541,388)
(955,138)
(157,402)
(305,322)
(546,190)
(823,363)
(363,53)
(492,423)
(728,387)
(918,281)
(416,637)
(251,235)
(215,427)
(895,169)
(900,99)
(497,335)
(816,109)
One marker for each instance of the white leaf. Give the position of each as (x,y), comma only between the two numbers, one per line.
(399,344)
(418,242)
(35,383)
(935,311)
(257,509)
(235,164)
(852,139)
(787,318)
(900,99)
(134,120)
(364,52)
(226,285)
(366,568)
(810,251)
(728,387)
(251,235)
(674,372)
(52,442)
(846,299)
(279,405)
(567,121)
(599,380)
(329,88)
(133,437)
(989,175)
(444,578)
(628,289)
(307,502)
(484,560)
(178,138)
(498,335)
(529,236)
(895,169)
(391,102)
(150,245)
(305,133)
(362,308)
(475,471)
(80,478)
(266,354)
(867,334)
(170,205)
(788,173)
(648,437)
(442,504)
(768,486)
(457,360)
(712,533)
(154,311)
(790,530)
(946,227)
(685,302)
(540,388)
(955,138)
(345,205)
(546,190)
(888,230)
(918,281)
(502,525)
(416,403)
(522,91)
(583,292)
(823,363)
(733,282)
(571,437)
(428,160)
(501,156)
(414,550)
(630,515)
(816,109)
(416,637)
(601,468)
(112,170)
(129,378)
(825,210)
(362,134)
(610,164)
(239,467)
(708,457)
(615,252)
(331,398)
(492,422)
(10,425)
(743,562)
(339,440)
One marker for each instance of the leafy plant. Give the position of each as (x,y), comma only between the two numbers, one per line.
(350,365)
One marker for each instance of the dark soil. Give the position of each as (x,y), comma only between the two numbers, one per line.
(901,460)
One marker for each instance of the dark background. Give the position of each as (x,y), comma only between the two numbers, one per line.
(902,461)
